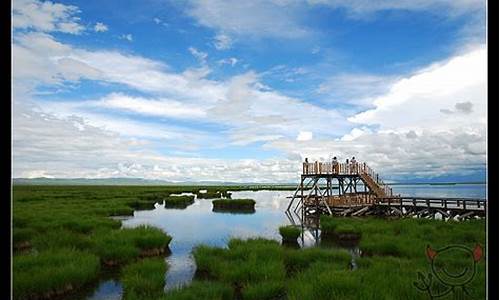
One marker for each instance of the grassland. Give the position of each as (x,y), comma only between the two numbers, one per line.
(64,240)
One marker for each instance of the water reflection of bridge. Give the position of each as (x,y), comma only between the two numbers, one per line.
(356,190)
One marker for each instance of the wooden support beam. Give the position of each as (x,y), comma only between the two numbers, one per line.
(397,211)
(360,211)
(468,214)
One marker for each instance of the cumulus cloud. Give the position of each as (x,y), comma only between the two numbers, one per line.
(250,111)
(414,102)
(406,134)
(46,16)
(100,27)
(67,147)
(427,124)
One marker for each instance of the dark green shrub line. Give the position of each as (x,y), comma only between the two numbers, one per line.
(233,205)
(209,195)
(178,201)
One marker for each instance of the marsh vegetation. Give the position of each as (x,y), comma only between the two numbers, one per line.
(64,240)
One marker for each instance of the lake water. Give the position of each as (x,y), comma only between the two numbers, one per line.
(197,224)
(452,191)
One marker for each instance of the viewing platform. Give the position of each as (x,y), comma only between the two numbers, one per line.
(355,189)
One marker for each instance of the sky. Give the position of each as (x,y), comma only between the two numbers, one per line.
(243,91)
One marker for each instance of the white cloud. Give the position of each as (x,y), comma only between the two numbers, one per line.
(229,61)
(45,16)
(356,89)
(269,114)
(157,20)
(152,107)
(304,136)
(100,27)
(362,7)
(127,37)
(222,42)
(415,102)
(200,55)
(407,134)
(50,146)
(254,18)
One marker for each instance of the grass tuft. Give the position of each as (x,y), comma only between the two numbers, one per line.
(289,232)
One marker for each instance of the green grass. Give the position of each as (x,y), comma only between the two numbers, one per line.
(58,221)
(144,279)
(234,205)
(289,232)
(178,201)
(328,225)
(209,195)
(70,233)
(121,246)
(201,290)
(50,272)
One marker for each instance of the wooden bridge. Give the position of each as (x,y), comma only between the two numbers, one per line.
(360,191)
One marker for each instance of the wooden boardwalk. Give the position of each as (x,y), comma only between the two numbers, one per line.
(360,192)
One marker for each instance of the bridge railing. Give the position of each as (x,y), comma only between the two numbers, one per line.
(444,203)
(320,168)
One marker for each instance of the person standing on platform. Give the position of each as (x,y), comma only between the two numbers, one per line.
(354,165)
(335,165)
(305,167)
(347,169)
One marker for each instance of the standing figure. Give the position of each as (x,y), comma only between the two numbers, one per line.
(305,166)
(335,165)
(347,169)
(354,165)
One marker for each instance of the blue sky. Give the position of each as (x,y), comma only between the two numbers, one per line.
(225,90)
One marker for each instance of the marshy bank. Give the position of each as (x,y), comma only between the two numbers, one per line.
(64,220)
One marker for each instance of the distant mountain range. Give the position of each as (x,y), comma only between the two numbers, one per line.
(142,181)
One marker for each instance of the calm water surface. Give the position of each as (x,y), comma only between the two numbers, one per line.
(197,224)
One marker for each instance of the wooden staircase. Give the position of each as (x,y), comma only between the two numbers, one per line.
(372,180)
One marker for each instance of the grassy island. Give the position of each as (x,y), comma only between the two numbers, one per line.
(178,201)
(234,205)
(289,233)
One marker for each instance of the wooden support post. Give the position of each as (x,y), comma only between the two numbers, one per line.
(302,202)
